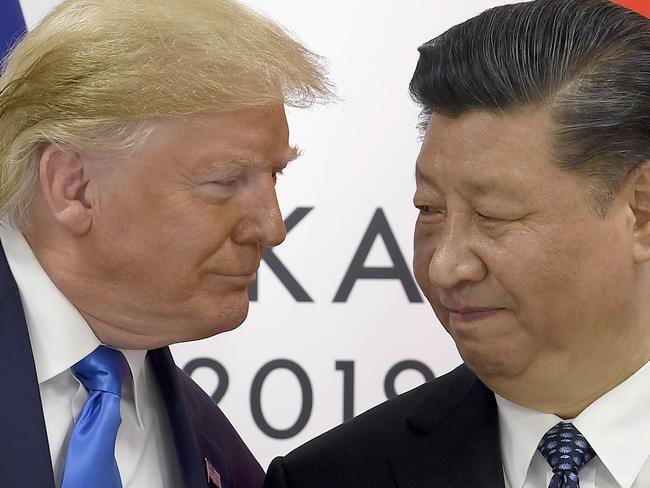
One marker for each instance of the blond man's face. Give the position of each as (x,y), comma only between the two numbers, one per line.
(181,225)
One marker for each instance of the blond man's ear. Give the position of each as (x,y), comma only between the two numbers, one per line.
(63,183)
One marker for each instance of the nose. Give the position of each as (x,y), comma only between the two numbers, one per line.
(454,260)
(262,224)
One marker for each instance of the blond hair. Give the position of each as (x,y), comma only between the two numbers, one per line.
(93,72)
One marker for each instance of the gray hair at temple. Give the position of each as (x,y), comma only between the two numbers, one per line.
(95,75)
(586,61)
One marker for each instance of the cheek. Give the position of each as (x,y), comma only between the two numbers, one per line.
(129,215)
(157,244)
(541,277)
(564,284)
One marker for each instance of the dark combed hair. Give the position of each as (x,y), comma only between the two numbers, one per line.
(588,61)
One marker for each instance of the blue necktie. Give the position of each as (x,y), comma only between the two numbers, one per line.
(566,451)
(91,451)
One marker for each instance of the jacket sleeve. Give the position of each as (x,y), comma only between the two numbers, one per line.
(275,477)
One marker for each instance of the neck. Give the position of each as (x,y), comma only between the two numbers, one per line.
(567,396)
(62,259)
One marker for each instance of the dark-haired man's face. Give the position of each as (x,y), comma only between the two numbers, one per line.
(529,281)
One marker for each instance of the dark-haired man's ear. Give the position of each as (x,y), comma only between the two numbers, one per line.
(63,184)
(640,204)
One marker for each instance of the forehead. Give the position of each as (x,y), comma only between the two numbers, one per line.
(259,131)
(200,142)
(487,150)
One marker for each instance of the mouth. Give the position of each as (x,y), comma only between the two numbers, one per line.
(471,315)
(243,274)
(243,278)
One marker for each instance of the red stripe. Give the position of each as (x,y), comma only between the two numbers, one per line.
(641,6)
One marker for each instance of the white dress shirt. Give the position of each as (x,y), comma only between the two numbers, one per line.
(60,337)
(617,426)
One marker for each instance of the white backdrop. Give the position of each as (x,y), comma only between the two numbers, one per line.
(358,157)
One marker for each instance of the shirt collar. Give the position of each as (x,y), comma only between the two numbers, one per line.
(136,360)
(520,430)
(59,335)
(617,426)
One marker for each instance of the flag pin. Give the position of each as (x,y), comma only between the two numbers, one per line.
(214,478)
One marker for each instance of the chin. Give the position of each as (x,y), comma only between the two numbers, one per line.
(488,362)
(207,329)
(228,317)
(207,317)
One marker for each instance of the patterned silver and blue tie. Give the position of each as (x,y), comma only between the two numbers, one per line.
(566,450)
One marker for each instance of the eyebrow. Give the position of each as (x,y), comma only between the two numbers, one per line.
(484,187)
(478,188)
(420,176)
(292,153)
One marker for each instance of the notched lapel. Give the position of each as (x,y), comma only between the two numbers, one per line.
(187,453)
(24,449)
(196,453)
(454,438)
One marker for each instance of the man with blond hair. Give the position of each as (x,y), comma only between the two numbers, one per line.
(139,147)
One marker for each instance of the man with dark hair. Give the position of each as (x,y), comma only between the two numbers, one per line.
(533,248)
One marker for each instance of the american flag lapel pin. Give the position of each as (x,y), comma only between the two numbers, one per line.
(214,478)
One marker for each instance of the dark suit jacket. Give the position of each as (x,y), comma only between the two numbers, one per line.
(199,428)
(443,434)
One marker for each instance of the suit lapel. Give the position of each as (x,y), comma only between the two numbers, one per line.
(194,450)
(454,438)
(24,449)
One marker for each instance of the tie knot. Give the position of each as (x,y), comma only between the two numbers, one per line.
(566,450)
(104,369)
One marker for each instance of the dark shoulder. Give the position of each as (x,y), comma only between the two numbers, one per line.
(380,428)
